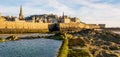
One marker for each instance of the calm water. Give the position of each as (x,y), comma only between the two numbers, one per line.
(30,48)
(118,32)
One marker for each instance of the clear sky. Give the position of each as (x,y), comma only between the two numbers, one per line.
(89,11)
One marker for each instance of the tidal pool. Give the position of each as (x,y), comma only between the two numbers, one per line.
(30,48)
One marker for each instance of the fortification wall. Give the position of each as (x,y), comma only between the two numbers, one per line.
(91,26)
(28,27)
(23,25)
(81,25)
(69,26)
(76,26)
(2,25)
(34,27)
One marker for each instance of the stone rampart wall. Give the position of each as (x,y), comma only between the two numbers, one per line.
(43,27)
(90,26)
(69,26)
(24,25)
(75,26)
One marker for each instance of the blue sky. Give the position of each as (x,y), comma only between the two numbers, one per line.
(89,11)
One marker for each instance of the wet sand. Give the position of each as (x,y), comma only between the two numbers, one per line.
(24,35)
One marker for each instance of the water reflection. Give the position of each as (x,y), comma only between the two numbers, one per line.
(30,48)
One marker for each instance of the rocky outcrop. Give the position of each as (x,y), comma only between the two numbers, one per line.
(12,37)
(97,43)
(9,38)
(2,40)
(104,53)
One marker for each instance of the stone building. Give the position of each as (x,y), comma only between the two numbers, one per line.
(102,25)
(45,22)
(64,19)
(75,19)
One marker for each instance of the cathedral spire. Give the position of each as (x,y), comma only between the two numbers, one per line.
(21,17)
(63,15)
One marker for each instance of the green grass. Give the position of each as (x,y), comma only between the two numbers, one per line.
(63,52)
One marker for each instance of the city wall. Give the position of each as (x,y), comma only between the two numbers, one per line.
(31,27)
(70,26)
(23,27)
(92,26)
(76,26)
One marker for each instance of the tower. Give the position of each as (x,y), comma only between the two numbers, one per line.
(21,17)
(63,15)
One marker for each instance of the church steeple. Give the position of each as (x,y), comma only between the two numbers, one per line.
(63,15)
(21,17)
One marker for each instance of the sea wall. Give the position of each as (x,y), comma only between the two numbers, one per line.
(76,26)
(92,26)
(29,27)
(69,26)
(23,26)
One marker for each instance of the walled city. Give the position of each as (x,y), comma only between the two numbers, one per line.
(43,23)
